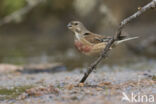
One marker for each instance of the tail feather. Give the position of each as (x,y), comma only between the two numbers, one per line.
(121,41)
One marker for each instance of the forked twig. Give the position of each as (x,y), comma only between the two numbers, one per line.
(103,55)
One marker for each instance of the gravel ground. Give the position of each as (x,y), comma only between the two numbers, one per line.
(105,86)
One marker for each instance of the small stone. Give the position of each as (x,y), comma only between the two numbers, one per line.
(69,87)
(67,78)
(99,89)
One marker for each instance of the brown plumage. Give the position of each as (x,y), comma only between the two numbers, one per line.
(90,43)
(94,38)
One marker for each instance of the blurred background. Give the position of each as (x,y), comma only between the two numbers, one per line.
(35,32)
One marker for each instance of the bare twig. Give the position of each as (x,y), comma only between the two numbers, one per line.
(17,15)
(103,55)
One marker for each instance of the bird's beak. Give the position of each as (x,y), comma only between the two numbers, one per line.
(69,25)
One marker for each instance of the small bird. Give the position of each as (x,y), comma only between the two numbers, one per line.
(90,43)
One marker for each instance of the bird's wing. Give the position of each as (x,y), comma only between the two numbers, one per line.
(95,38)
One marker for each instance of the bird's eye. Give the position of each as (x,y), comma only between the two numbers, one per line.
(75,23)
(86,34)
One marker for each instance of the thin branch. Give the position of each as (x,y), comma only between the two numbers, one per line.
(103,55)
(17,15)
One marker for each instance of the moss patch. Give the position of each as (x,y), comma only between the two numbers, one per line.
(12,93)
(9,6)
(154,77)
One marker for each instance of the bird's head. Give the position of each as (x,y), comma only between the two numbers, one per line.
(76,27)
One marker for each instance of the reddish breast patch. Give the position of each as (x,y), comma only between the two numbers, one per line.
(86,49)
(81,47)
(78,44)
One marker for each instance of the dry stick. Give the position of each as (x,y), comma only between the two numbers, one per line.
(103,55)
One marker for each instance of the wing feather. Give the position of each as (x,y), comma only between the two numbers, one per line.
(95,38)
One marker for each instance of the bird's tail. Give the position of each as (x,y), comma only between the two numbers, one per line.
(121,41)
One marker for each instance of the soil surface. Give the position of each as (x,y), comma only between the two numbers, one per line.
(104,86)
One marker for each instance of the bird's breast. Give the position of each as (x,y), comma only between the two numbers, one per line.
(77,36)
(88,49)
(82,47)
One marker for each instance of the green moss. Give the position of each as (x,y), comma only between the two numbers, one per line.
(154,77)
(12,93)
(9,6)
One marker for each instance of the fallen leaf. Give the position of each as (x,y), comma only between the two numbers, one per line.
(102,84)
(81,84)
